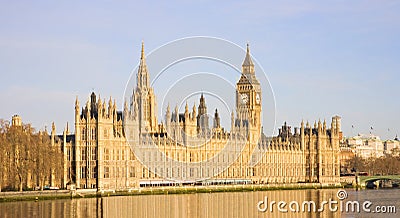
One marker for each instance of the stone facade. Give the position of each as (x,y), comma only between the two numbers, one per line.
(366,146)
(185,149)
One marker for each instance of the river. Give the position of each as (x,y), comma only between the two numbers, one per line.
(228,204)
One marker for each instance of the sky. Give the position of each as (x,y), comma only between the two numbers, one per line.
(322,58)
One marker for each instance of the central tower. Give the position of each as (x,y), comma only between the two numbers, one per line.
(144,98)
(248,95)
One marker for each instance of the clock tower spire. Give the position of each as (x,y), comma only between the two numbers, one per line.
(248,65)
(248,95)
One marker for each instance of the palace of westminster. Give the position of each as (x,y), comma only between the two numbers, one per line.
(125,149)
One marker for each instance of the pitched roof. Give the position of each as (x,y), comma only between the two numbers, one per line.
(247,60)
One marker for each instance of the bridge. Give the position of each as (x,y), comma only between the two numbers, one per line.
(365,179)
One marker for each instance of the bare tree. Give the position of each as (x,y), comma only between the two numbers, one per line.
(19,143)
(3,151)
(26,155)
(386,165)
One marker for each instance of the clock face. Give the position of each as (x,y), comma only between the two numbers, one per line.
(258,99)
(245,98)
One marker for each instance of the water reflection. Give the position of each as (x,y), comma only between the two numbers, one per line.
(231,204)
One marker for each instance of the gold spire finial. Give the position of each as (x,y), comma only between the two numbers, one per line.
(142,54)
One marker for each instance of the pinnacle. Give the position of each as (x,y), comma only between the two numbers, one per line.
(142,53)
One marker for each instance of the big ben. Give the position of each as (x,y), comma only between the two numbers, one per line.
(248,96)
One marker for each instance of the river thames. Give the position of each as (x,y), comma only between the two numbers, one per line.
(282,203)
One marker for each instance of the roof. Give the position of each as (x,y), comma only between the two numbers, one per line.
(247,60)
(247,78)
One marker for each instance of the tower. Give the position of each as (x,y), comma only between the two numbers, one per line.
(144,98)
(202,117)
(248,95)
(16,120)
(217,122)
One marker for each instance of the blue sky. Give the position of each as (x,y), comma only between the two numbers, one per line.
(322,58)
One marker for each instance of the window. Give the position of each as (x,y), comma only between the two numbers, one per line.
(83,154)
(132,172)
(94,156)
(68,172)
(83,134)
(106,172)
(94,134)
(106,154)
(94,172)
(83,172)
(143,172)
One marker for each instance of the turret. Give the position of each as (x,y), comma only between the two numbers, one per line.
(110,113)
(53,132)
(319,127)
(232,121)
(115,111)
(194,115)
(337,125)
(202,117)
(216,120)
(87,110)
(77,108)
(100,108)
(176,114)
(16,120)
(168,115)
(67,129)
(168,118)
(186,112)
(93,106)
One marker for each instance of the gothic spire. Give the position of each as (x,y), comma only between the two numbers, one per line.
(143,74)
(186,109)
(142,54)
(248,65)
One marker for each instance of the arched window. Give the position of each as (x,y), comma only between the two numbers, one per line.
(94,134)
(83,134)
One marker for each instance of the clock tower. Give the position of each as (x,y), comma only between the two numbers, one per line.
(248,96)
